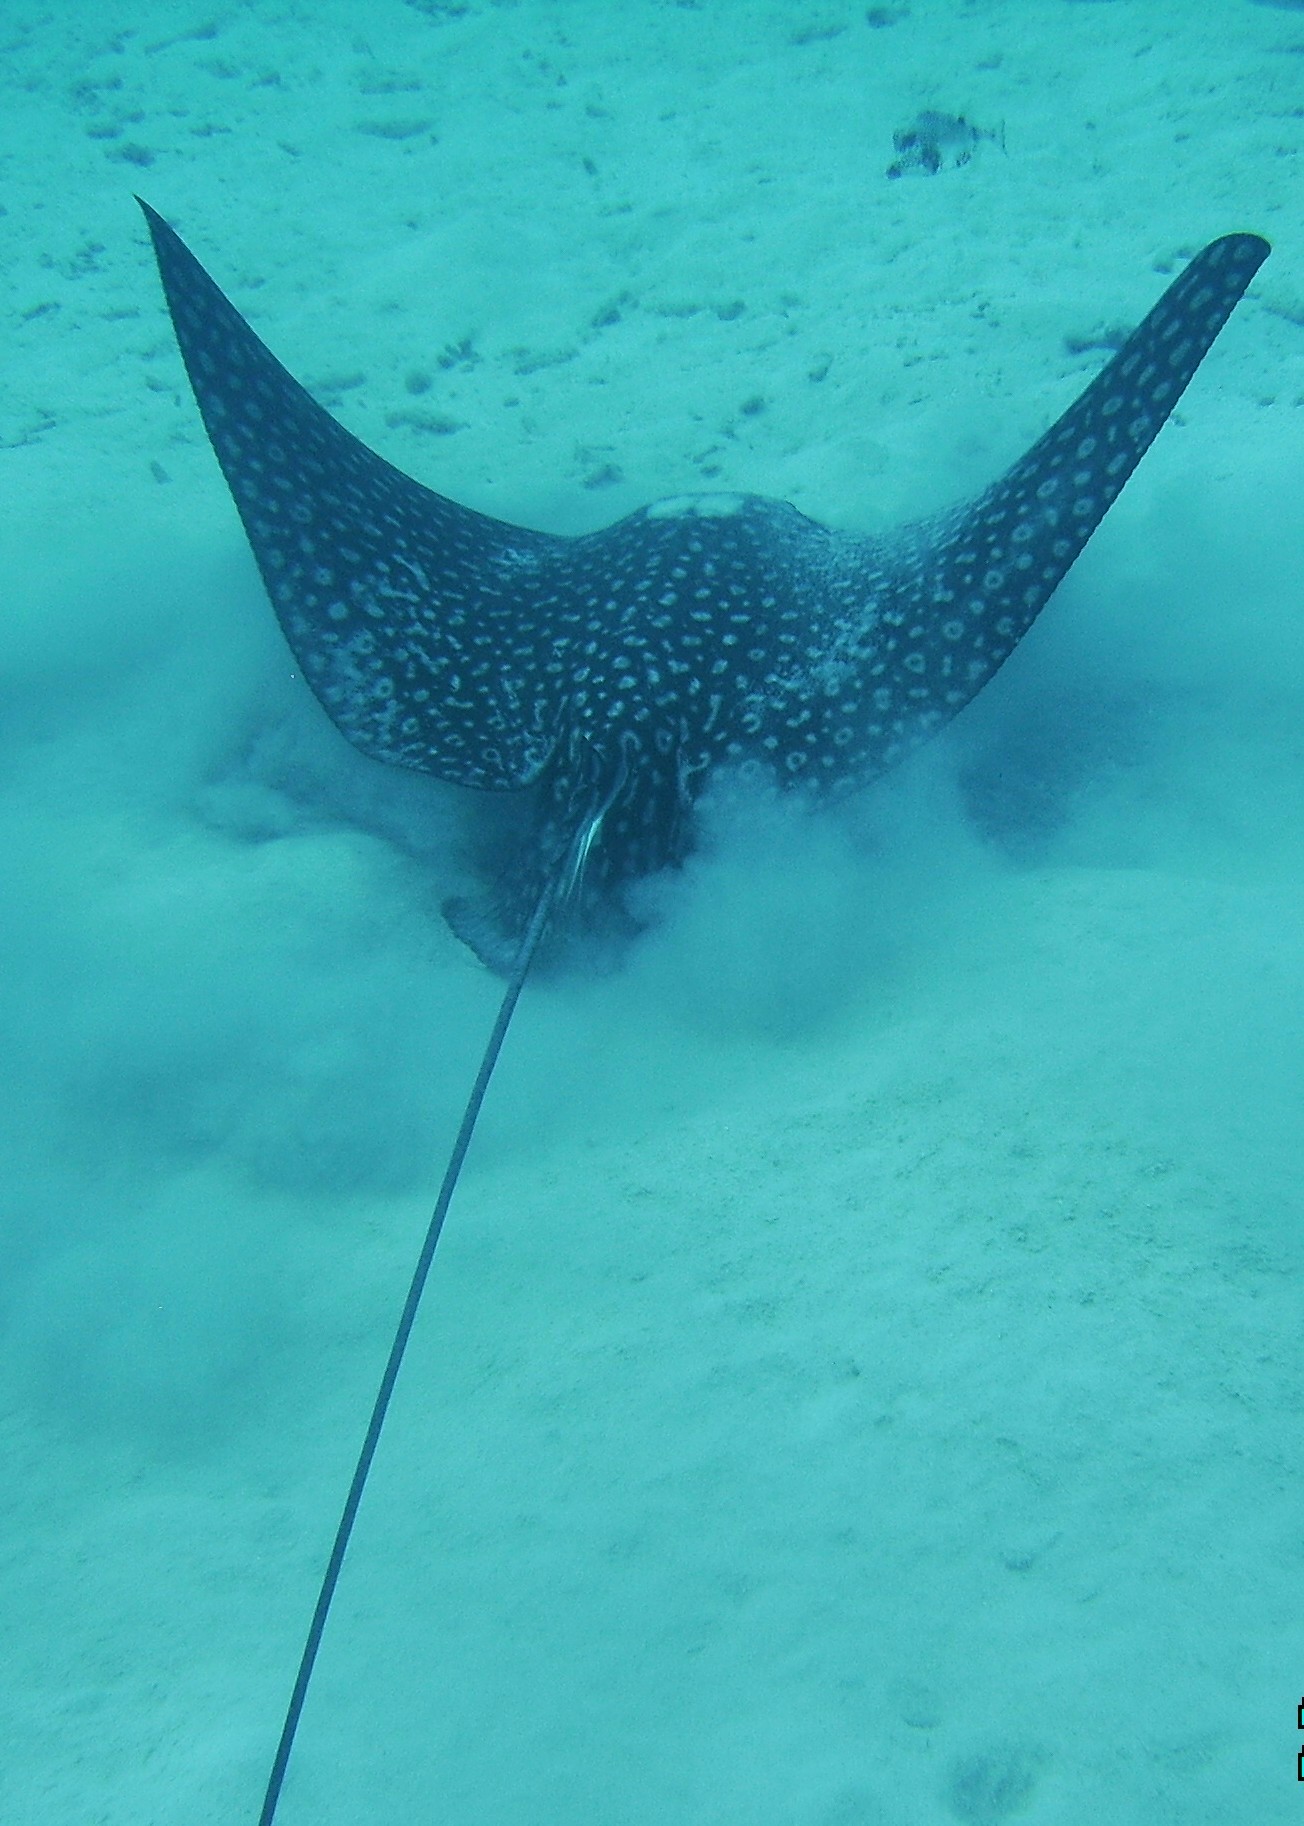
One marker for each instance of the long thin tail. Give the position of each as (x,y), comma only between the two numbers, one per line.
(565,875)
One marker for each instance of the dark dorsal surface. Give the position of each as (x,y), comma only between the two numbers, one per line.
(409,614)
(700,631)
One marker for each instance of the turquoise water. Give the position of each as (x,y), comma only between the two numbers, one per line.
(858,1383)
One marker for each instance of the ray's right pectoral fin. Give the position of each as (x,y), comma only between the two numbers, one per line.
(1005,555)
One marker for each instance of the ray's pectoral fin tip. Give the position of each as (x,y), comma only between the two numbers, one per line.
(618,669)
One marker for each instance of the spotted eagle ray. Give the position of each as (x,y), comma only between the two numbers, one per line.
(620,668)
(611,673)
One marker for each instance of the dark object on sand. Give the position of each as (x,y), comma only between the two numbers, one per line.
(934,140)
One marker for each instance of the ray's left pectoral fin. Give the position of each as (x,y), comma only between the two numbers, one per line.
(410,614)
(1001,559)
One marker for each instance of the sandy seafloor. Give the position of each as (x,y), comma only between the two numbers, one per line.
(860,1384)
